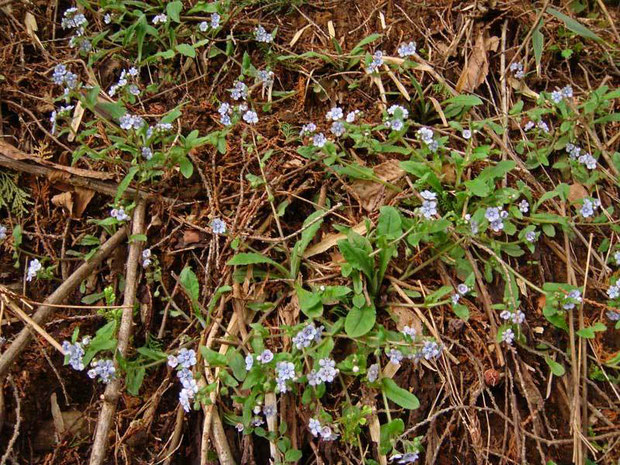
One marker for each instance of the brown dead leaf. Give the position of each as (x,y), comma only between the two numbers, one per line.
(64,200)
(82,198)
(406,317)
(373,194)
(577,192)
(477,68)
(191,236)
(330,240)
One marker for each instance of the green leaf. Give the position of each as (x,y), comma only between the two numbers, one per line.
(306,237)
(124,184)
(390,223)
(292,455)
(556,368)
(173,10)
(237,364)
(186,167)
(589,332)
(212,357)
(464,101)
(309,302)
(134,379)
(398,395)
(189,281)
(461,311)
(360,321)
(250,258)
(114,110)
(538,41)
(356,250)
(388,432)
(574,25)
(187,50)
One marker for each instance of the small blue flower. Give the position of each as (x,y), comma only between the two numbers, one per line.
(407,49)
(33,269)
(160,19)
(262,35)
(250,117)
(508,336)
(373,372)
(524,206)
(218,226)
(319,140)
(265,357)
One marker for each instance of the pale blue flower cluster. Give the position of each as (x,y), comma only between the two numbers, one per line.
(429,204)
(126,77)
(461,290)
(373,372)
(517,70)
(395,356)
(119,214)
(62,76)
(215,23)
(319,140)
(589,206)
(218,226)
(614,290)
(517,317)
(496,216)
(307,336)
(508,336)
(33,269)
(261,35)
(128,122)
(102,369)
(431,350)
(586,158)
(564,93)
(326,373)
(160,19)
(73,19)
(285,371)
(325,432)
(2,232)
(571,299)
(183,362)
(146,258)
(407,49)
(398,115)
(427,136)
(62,111)
(239,91)
(376,63)
(406,458)
(265,357)
(75,352)
(544,127)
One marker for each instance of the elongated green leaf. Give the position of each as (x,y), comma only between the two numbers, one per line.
(189,281)
(464,100)
(399,395)
(390,223)
(574,25)
(122,187)
(250,258)
(538,41)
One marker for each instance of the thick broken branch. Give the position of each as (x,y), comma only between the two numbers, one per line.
(46,310)
(113,389)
